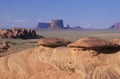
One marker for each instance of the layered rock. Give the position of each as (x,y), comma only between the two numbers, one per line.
(60,63)
(21,33)
(53,42)
(92,43)
(56,24)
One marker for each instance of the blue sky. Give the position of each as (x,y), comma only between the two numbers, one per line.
(84,13)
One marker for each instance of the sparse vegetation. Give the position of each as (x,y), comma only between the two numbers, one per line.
(72,35)
(74,63)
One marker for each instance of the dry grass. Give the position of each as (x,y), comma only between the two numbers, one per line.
(73,35)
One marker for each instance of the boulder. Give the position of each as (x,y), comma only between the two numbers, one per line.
(53,42)
(92,43)
(4,45)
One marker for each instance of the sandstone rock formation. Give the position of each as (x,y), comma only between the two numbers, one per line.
(60,63)
(4,45)
(117,41)
(20,33)
(115,26)
(92,43)
(56,24)
(53,42)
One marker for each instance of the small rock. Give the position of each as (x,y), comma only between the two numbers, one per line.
(4,45)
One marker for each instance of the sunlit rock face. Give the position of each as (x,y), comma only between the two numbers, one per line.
(92,43)
(61,63)
(53,42)
(21,33)
(56,24)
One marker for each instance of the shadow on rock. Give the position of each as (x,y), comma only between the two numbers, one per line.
(108,50)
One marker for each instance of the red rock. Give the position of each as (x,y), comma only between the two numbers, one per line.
(20,33)
(56,24)
(4,45)
(53,42)
(92,43)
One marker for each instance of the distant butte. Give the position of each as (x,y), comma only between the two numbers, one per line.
(55,24)
(59,24)
(115,26)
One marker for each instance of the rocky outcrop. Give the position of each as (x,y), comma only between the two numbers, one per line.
(60,63)
(53,42)
(115,26)
(56,24)
(4,45)
(20,33)
(92,43)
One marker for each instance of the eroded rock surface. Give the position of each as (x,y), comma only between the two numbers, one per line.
(92,43)
(61,62)
(53,42)
(117,41)
(56,24)
(21,33)
(4,46)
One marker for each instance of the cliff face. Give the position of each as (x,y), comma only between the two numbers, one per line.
(61,62)
(55,24)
